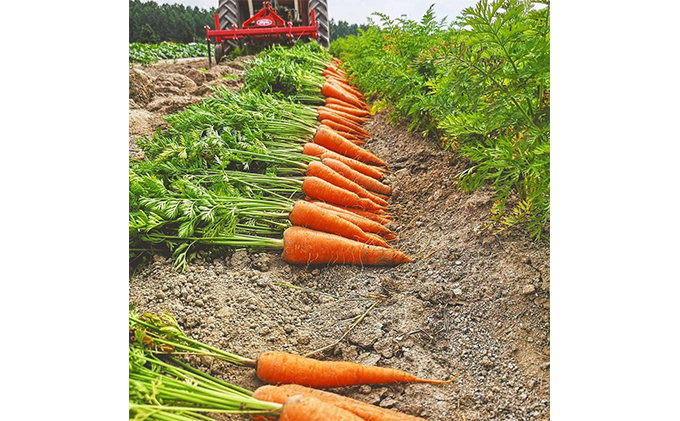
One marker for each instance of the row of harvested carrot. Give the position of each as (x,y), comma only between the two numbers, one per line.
(344,216)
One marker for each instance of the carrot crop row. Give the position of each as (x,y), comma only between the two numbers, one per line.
(344,216)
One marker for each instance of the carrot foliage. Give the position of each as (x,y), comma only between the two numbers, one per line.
(480,86)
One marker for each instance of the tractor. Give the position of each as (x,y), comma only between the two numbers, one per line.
(241,22)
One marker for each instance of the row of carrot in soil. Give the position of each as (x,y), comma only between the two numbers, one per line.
(345,197)
(233,171)
(164,386)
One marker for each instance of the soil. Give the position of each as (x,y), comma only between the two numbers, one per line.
(472,304)
(170,86)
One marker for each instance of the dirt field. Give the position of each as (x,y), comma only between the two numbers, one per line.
(471,304)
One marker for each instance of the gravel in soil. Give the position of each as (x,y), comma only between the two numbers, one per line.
(472,304)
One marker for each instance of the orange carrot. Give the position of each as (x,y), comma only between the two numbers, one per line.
(365,410)
(298,408)
(317,169)
(368,215)
(328,114)
(331,100)
(280,367)
(353,110)
(309,215)
(333,141)
(340,128)
(349,88)
(347,116)
(362,180)
(344,114)
(323,190)
(309,247)
(312,149)
(337,61)
(332,90)
(366,224)
(368,412)
(346,89)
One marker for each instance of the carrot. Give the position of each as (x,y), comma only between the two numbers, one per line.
(348,113)
(310,247)
(366,224)
(337,61)
(368,215)
(330,72)
(309,215)
(332,90)
(340,128)
(299,408)
(348,116)
(365,410)
(280,367)
(344,88)
(317,169)
(328,114)
(362,180)
(368,412)
(349,88)
(321,189)
(333,141)
(353,110)
(331,100)
(312,149)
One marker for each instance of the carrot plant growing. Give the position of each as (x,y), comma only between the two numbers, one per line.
(480,86)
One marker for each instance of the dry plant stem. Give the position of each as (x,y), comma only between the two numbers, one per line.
(344,335)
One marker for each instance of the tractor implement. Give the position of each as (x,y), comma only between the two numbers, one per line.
(266,26)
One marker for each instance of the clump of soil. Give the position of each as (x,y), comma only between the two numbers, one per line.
(169,87)
(472,304)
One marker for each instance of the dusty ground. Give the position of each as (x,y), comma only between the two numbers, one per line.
(471,303)
(168,87)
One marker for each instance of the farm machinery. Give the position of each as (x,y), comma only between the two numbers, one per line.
(278,21)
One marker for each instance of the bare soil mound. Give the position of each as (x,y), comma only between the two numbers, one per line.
(168,87)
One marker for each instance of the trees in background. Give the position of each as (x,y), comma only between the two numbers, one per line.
(152,23)
(342,29)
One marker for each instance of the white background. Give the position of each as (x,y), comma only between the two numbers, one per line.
(614,310)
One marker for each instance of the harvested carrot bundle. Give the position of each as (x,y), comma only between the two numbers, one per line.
(306,214)
(317,169)
(323,190)
(362,180)
(368,412)
(327,138)
(280,367)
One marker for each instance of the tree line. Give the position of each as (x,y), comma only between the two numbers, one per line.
(152,23)
(342,29)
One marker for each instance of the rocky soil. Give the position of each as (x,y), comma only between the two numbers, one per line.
(472,304)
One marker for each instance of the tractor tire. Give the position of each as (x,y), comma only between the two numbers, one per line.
(320,8)
(219,53)
(228,12)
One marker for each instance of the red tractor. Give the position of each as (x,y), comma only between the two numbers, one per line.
(278,21)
